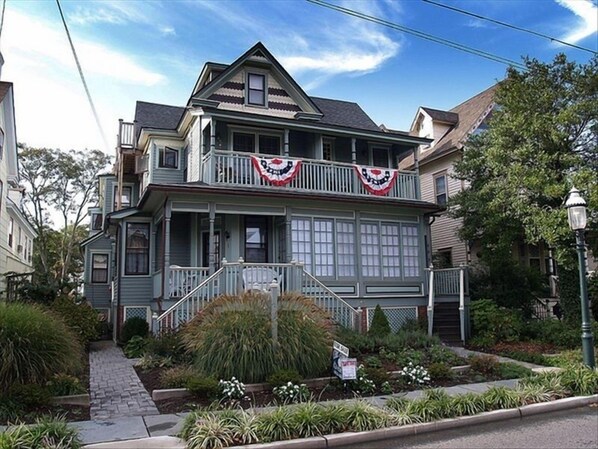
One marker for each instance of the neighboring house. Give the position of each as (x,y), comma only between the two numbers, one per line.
(252,175)
(16,234)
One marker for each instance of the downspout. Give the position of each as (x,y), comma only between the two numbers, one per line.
(118,271)
(162,240)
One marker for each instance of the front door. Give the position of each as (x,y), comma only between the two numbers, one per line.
(256,239)
(205,249)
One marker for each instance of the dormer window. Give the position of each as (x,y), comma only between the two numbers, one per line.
(256,92)
(168,158)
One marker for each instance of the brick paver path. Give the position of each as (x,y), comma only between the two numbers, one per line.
(116,390)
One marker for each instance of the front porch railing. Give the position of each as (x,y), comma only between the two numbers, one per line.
(236,169)
(235,277)
(185,279)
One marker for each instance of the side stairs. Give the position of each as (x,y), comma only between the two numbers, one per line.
(446,323)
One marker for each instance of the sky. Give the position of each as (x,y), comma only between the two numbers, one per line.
(154,50)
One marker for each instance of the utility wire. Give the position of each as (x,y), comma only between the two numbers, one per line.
(420,34)
(93,108)
(508,25)
(2,19)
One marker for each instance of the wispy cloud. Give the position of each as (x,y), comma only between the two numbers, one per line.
(167,31)
(476,23)
(587,12)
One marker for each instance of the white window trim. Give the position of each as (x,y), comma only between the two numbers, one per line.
(148,316)
(124,248)
(115,192)
(90,279)
(256,132)
(435,176)
(178,158)
(382,146)
(254,71)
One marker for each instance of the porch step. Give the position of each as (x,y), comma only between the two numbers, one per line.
(447,323)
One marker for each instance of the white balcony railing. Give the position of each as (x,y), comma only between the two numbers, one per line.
(185,279)
(126,135)
(235,169)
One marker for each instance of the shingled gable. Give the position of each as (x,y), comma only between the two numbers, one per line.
(258,56)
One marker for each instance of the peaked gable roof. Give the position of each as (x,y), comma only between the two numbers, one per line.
(442,116)
(154,115)
(470,114)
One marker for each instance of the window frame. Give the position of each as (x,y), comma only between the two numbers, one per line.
(2,139)
(94,216)
(256,133)
(372,146)
(161,158)
(125,186)
(264,90)
(147,271)
(93,269)
(10,231)
(436,176)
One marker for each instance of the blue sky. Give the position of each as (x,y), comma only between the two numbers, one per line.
(154,50)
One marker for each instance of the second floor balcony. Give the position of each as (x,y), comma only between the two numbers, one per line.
(236,169)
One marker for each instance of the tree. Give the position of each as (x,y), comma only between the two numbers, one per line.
(59,184)
(542,139)
(380,326)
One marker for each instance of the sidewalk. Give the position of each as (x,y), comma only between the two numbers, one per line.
(99,431)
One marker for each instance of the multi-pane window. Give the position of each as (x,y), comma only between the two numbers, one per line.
(137,249)
(301,240)
(410,241)
(244,142)
(370,250)
(11,226)
(99,268)
(391,258)
(125,199)
(440,189)
(327,149)
(256,93)
(169,158)
(96,221)
(380,157)
(345,248)
(269,144)
(323,248)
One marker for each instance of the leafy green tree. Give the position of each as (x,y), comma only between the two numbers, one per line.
(59,187)
(542,139)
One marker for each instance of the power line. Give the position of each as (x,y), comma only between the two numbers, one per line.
(420,34)
(2,19)
(508,25)
(93,108)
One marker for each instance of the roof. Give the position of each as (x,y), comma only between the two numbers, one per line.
(470,113)
(154,115)
(344,113)
(4,88)
(442,116)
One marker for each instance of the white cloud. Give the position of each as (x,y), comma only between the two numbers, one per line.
(167,31)
(588,25)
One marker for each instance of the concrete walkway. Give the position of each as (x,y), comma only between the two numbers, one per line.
(115,389)
(462,352)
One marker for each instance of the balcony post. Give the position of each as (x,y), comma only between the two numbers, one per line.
(212,159)
(166,268)
(212,242)
(354,161)
(417,178)
(289,235)
(462,300)
(286,142)
(319,147)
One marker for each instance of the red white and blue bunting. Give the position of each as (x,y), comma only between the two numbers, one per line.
(378,181)
(276,170)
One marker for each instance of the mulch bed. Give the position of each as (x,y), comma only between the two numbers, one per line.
(333,391)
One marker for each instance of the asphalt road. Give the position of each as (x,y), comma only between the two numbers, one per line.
(569,429)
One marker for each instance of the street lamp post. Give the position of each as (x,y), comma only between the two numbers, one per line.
(576,209)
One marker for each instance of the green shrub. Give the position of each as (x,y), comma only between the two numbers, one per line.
(284,376)
(65,385)
(132,327)
(80,317)
(580,381)
(562,334)
(380,326)
(407,356)
(373,362)
(308,420)
(34,345)
(135,347)
(168,344)
(593,294)
(30,395)
(377,375)
(493,322)
(362,416)
(485,364)
(442,354)
(232,337)
(468,404)
(176,377)
(203,387)
(440,371)
(497,398)
(276,425)
(512,371)
(45,434)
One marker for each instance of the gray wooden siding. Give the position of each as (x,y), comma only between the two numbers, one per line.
(444,230)
(136,290)
(180,239)
(98,294)
(160,175)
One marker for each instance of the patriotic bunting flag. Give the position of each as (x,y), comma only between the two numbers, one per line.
(277,171)
(375,180)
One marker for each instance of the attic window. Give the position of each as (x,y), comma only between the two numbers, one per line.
(256,92)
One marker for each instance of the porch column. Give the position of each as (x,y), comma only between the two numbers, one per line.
(319,147)
(212,243)
(166,267)
(354,150)
(416,167)
(154,262)
(286,142)
(213,178)
(289,235)
(213,134)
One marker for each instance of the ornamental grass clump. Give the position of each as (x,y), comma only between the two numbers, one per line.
(35,344)
(44,434)
(232,337)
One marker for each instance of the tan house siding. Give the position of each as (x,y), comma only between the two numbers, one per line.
(444,229)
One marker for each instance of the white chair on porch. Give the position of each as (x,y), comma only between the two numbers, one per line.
(259,278)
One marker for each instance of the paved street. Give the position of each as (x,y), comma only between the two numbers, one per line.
(115,389)
(569,429)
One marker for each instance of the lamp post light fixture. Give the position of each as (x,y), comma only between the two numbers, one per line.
(576,209)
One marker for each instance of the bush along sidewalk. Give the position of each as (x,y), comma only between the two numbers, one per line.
(216,429)
(46,433)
